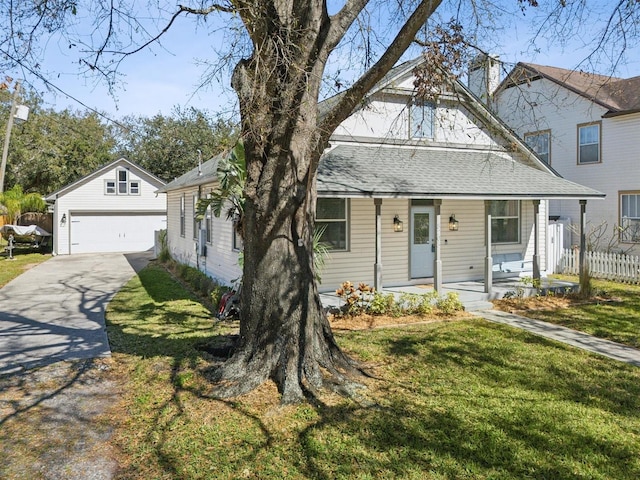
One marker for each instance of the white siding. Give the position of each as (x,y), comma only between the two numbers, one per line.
(220,261)
(547,106)
(386,117)
(89,196)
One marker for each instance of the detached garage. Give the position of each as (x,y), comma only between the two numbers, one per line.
(114,209)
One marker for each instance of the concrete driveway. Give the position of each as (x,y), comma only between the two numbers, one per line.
(55,311)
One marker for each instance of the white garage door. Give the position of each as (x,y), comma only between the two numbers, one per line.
(114,232)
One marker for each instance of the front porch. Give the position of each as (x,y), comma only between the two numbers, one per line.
(472,293)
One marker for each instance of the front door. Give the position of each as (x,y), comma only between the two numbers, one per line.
(422,241)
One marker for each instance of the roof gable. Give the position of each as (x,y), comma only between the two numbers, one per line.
(617,95)
(121,162)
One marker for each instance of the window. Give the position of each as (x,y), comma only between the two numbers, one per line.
(331,216)
(123,182)
(540,143)
(182,216)
(134,187)
(630,217)
(208,223)
(195,220)
(505,221)
(421,119)
(589,143)
(109,187)
(237,239)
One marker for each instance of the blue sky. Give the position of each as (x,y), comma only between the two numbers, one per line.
(155,81)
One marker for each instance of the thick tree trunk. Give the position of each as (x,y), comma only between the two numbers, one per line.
(284,333)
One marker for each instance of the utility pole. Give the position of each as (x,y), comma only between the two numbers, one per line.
(5,149)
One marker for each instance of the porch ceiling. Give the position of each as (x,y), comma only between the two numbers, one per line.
(380,171)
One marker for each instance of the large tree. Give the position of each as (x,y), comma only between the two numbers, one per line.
(284,334)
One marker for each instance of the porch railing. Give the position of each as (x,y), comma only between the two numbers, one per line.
(608,266)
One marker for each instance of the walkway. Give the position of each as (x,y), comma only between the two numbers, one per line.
(565,335)
(479,303)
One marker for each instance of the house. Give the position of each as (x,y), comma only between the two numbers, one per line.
(584,126)
(410,192)
(114,209)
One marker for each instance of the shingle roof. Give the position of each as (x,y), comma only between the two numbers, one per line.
(618,95)
(358,171)
(195,176)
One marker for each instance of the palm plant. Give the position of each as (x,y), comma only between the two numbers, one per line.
(16,202)
(232,175)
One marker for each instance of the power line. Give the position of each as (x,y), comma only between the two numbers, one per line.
(68,95)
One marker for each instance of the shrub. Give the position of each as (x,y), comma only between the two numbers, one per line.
(164,256)
(449,304)
(384,304)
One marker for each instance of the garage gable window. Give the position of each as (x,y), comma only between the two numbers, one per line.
(109,187)
(122,185)
(123,182)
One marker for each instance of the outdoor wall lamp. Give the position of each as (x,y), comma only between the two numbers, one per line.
(397,224)
(63,220)
(453,223)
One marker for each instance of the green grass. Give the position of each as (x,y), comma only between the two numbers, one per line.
(22,260)
(616,318)
(453,400)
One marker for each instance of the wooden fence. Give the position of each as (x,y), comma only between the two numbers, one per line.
(609,266)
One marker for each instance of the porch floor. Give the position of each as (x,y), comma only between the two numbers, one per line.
(472,293)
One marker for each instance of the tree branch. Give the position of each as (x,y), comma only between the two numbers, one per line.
(358,90)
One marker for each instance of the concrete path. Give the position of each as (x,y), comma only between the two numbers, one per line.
(55,311)
(571,337)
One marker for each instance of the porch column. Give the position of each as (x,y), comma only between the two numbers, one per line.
(437,260)
(583,237)
(488,259)
(377,267)
(536,239)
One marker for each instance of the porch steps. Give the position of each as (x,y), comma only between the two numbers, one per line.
(477,305)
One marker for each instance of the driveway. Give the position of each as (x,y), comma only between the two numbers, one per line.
(55,311)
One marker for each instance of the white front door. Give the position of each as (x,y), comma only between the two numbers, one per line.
(422,238)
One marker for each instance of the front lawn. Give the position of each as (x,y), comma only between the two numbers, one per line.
(461,399)
(23,259)
(614,313)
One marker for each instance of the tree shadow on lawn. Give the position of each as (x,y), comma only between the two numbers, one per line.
(487,408)
(458,405)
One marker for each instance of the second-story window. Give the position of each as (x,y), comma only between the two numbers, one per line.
(421,119)
(589,143)
(540,142)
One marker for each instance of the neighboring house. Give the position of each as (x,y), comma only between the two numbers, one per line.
(114,209)
(584,126)
(409,192)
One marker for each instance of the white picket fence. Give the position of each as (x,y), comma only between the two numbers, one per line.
(609,266)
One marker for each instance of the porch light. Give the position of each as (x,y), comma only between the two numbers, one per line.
(63,220)
(397,224)
(453,223)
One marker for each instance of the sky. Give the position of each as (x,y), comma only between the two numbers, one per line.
(155,81)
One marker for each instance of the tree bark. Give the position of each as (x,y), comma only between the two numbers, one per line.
(284,333)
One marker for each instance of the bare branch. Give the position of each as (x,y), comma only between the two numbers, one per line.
(396,48)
